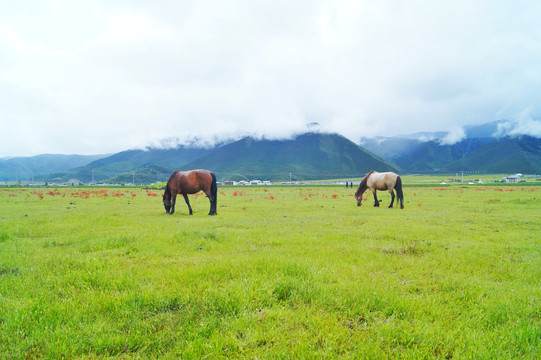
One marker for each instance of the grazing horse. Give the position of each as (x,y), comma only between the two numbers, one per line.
(190,182)
(381,181)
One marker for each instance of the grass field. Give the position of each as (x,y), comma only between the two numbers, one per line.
(281,272)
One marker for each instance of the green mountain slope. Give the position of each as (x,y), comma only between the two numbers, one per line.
(507,155)
(431,156)
(144,175)
(416,156)
(130,161)
(308,156)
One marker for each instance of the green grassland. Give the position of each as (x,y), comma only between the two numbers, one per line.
(281,272)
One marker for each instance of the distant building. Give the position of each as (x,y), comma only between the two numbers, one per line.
(511,179)
(74,182)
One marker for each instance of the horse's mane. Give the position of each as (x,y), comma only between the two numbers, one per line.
(167,187)
(362,185)
(167,190)
(365,179)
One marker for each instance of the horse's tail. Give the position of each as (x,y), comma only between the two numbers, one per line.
(214,190)
(399,192)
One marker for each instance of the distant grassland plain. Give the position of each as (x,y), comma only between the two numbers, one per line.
(280,272)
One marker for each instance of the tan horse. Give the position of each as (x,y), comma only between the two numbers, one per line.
(381,181)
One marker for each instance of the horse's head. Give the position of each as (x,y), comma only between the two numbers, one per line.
(359,200)
(167,201)
(359,193)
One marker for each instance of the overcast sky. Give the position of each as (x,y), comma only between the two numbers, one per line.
(91,77)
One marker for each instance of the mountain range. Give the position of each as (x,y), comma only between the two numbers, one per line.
(307,156)
(484,149)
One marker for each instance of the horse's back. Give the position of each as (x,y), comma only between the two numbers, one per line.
(390,176)
(192,181)
(383,180)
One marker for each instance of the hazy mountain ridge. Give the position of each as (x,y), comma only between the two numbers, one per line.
(130,161)
(432,153)
(23,168)
(485,148)
(306,156)
(518,154)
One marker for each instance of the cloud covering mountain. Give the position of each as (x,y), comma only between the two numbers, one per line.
(93,77)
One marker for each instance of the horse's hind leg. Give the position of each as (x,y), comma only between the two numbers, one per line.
(212,200)
(213,210)
(392,199)
(188,203)
(212,206)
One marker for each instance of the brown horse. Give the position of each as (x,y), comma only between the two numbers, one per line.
(190,182)
(381,181)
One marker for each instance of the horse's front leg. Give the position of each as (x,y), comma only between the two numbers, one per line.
(188,203)
(376,202)
(173,201)
(392,198)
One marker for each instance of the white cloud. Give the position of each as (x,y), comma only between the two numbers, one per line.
(100,76)
(522,124)
(124,27)
(525,125)
(427,138)
(453,136)
(10,37)
(503,128)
